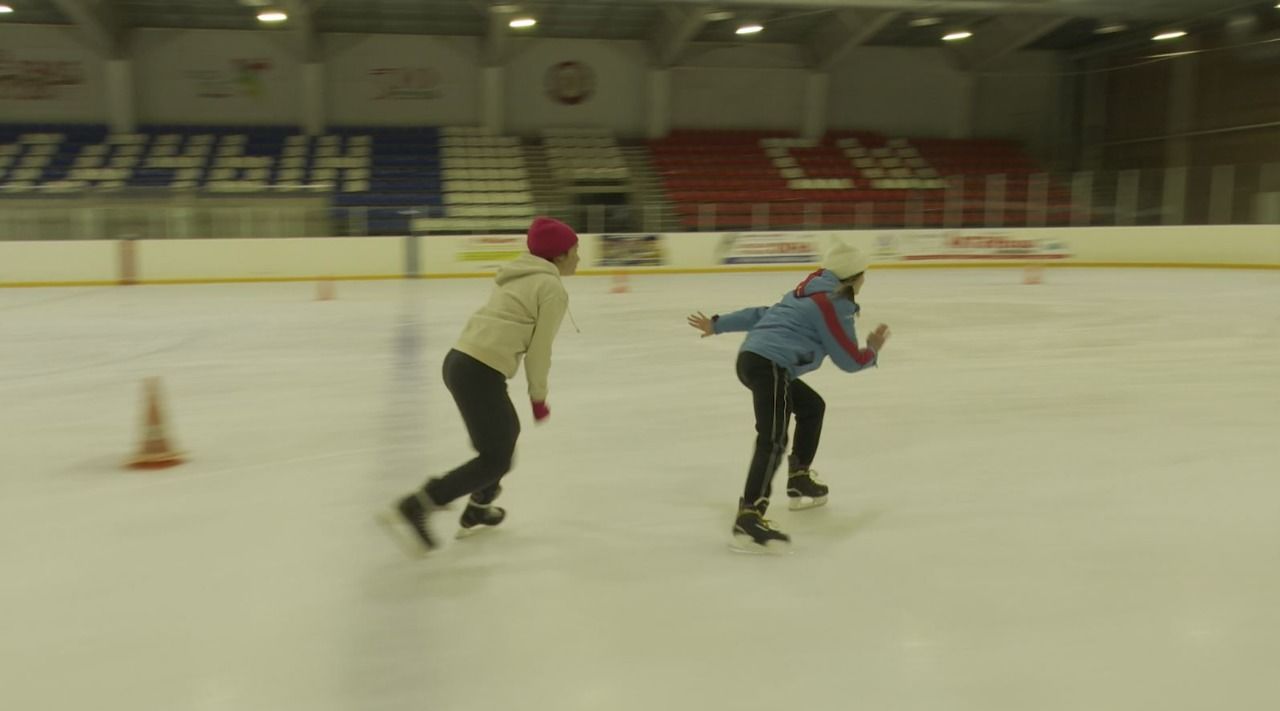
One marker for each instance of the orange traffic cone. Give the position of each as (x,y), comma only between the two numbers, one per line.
(620,283)
(154,452)
(1033,274)
(325,290)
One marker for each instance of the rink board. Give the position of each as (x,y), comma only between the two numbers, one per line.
(101,262)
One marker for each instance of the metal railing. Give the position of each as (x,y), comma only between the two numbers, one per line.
(1178,196)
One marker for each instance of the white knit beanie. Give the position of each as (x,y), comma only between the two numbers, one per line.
(845,261)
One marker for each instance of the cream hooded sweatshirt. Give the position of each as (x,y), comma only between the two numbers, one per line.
(521,319)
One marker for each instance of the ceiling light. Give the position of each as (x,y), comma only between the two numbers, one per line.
(1170,35)
(1110,28)
(272,16)
(717,15)
(925,21)
(957,36)
(504,8)
(521,23)
(749,28)
(5,9)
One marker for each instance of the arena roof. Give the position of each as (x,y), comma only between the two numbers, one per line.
(826,28)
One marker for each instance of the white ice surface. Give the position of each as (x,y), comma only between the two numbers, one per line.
(1062,497)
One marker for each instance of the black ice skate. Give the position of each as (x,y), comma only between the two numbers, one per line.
(805,490)
(752,533)
(480,513)
(406,522)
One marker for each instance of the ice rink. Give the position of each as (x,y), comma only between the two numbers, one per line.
(1059,497)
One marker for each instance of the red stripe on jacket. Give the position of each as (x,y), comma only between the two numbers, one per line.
(800,289)
(860,356)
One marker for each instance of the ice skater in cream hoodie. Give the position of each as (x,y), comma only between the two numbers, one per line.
(519,321)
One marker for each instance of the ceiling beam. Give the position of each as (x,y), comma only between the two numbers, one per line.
(495,38)
(1112,46)
(1139,35)
(676,29)
(101,25)
(1003,36)
(1077,8)
(494,45)
(302,25)
(853,28)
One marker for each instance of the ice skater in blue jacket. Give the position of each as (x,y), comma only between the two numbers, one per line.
(783,342)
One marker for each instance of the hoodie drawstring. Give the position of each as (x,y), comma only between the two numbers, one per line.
(575,323)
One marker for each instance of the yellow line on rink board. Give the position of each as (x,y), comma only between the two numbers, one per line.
(24,284)
(641,271)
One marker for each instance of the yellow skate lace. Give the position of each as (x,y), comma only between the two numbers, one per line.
(766,523)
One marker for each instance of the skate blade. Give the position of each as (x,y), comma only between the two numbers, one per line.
(800,503)
(406,540)
(747,546)
(474,530)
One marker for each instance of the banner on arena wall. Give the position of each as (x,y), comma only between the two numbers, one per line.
(488,251)
(32,79)
(241,78)
(768,248)
(968,245)
(405,83)
(631,250)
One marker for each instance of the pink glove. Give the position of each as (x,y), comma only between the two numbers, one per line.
(540,410)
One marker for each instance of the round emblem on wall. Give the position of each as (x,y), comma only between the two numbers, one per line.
(570,82)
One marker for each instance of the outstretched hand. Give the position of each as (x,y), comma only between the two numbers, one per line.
(877,338)
(702,323)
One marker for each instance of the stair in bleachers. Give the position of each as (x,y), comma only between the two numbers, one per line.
(485,185)
(649,197)
(549,196)
(580,156)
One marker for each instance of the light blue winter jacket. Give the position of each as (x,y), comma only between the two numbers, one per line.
(807,325)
